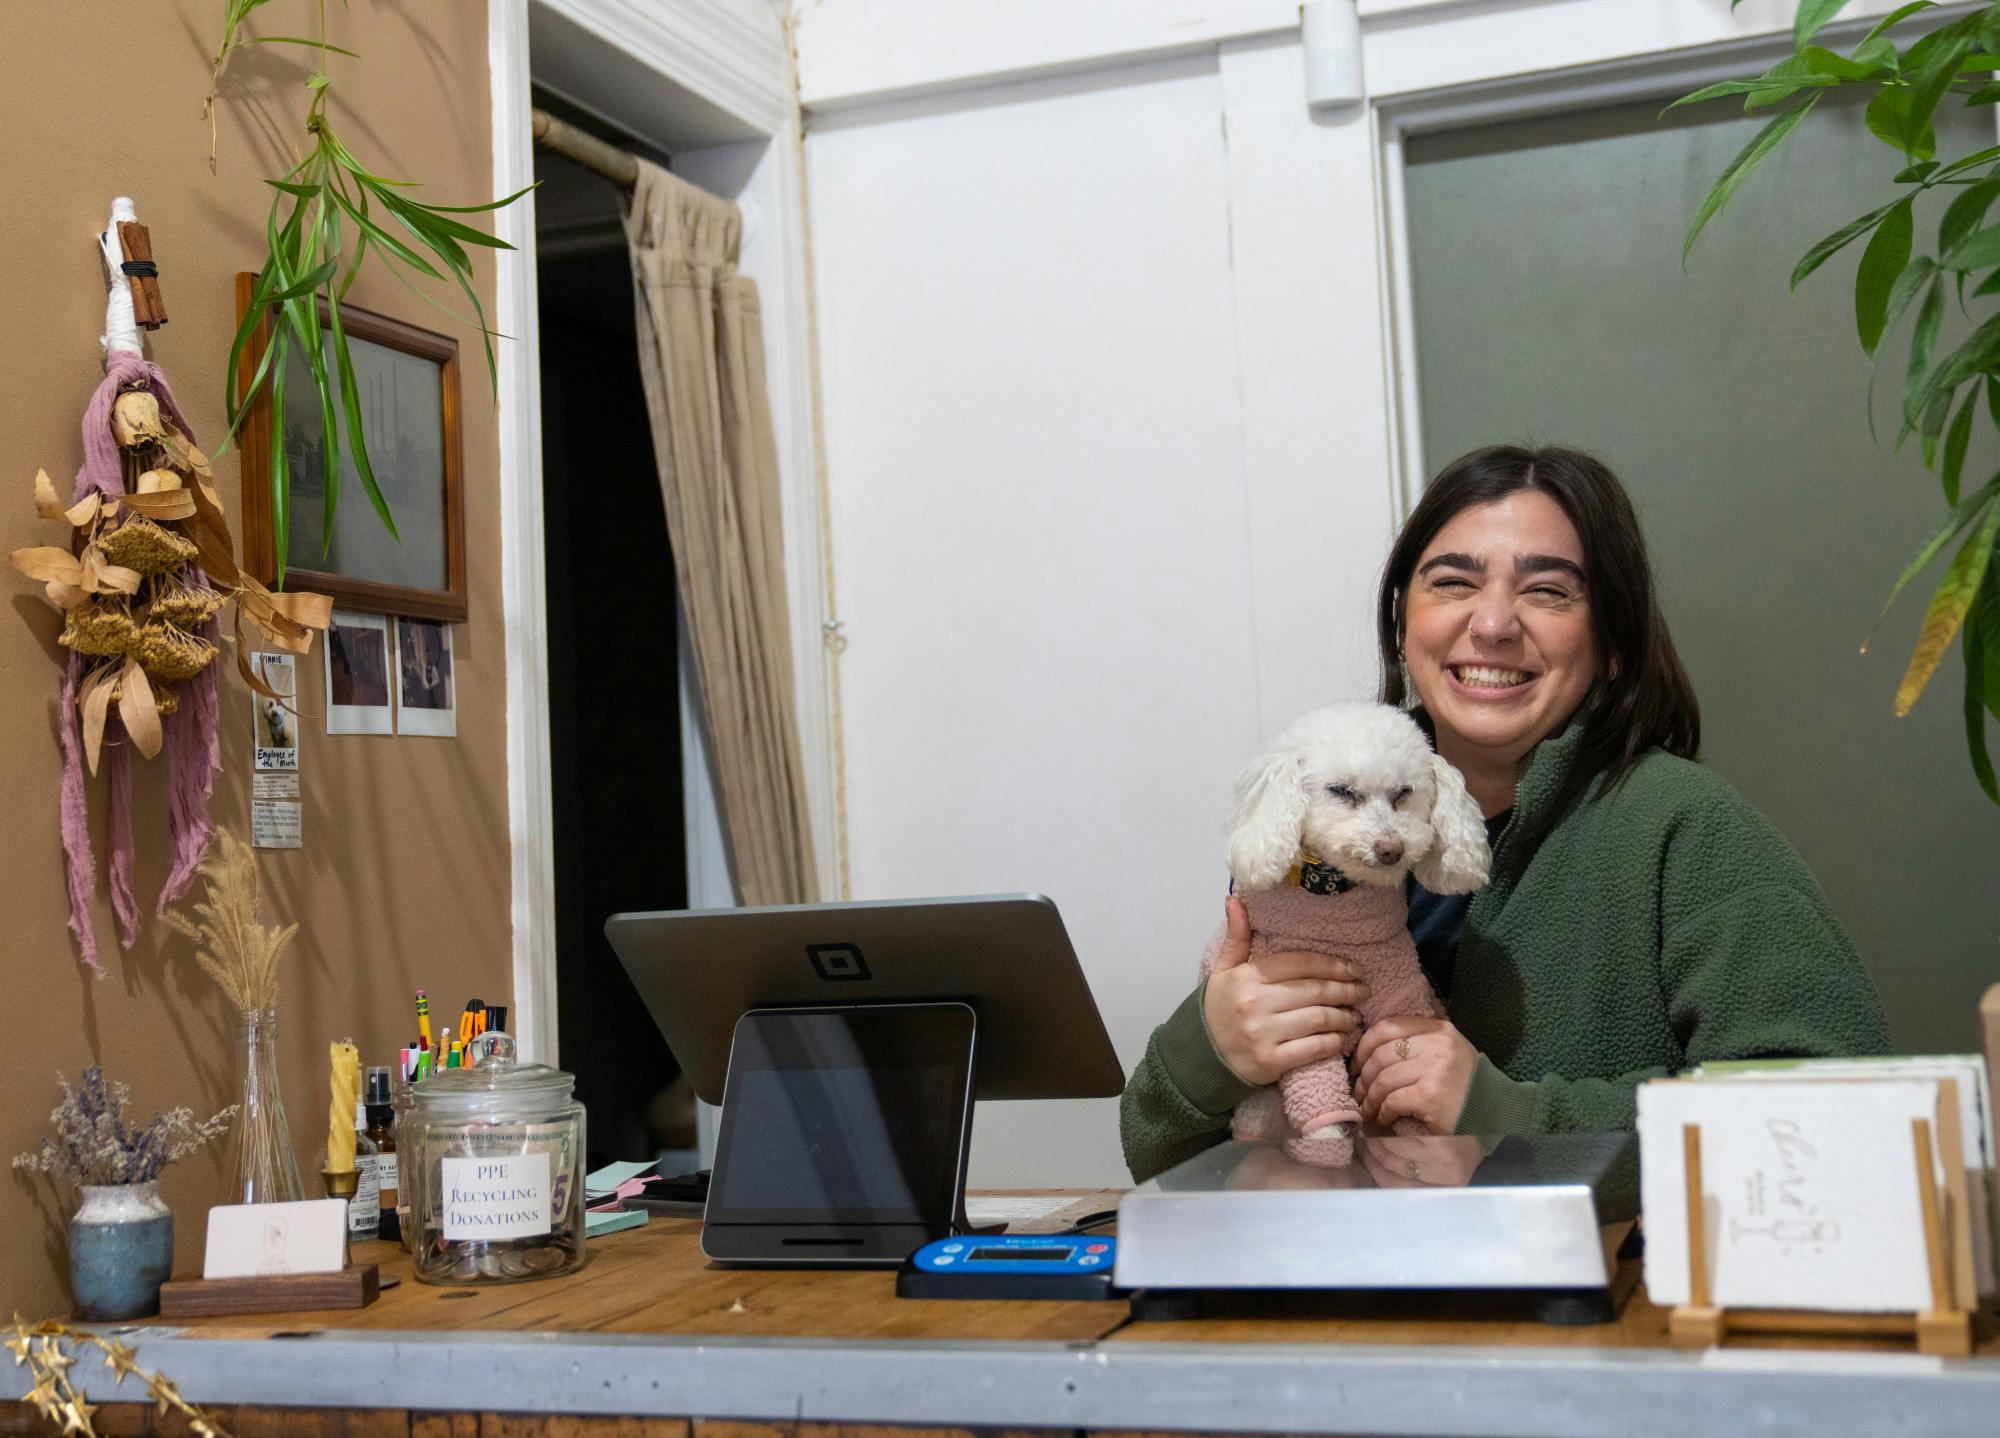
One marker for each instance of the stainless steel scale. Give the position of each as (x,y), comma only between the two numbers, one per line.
(1525,1213)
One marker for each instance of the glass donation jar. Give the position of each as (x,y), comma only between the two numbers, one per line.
(493,1173)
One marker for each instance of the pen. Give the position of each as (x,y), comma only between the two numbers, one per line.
(423,1018)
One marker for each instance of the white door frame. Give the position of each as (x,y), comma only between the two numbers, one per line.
(727,56)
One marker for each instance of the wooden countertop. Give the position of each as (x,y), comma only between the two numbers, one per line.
(656,1280)
(651,1340)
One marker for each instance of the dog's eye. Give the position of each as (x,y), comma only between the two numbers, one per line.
(1396,799)
(1341,791)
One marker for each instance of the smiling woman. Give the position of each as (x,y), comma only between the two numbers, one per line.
(1641,917)
(1497,636)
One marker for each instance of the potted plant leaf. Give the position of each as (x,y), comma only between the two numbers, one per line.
(1946,393)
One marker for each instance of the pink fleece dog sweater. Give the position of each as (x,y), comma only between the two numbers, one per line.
(1367,924)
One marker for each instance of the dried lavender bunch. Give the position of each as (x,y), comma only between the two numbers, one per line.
(93,1145)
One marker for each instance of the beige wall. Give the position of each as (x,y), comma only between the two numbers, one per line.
(404,878)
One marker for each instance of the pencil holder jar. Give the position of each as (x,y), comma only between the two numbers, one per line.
(493,1170)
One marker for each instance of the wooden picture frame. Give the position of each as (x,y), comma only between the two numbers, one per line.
(423,482)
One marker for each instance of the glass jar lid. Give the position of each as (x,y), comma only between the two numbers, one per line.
(498,1085)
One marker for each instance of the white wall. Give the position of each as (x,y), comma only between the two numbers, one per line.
(1109,420)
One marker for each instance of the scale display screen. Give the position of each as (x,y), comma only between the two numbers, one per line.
(1020,1255)
(835,1117)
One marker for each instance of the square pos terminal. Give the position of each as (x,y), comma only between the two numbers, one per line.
(846,1043)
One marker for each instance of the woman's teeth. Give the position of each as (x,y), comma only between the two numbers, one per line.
(1477,677)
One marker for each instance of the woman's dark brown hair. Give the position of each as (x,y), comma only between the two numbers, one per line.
(1642,697)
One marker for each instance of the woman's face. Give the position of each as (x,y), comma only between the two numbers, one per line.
(1497,631)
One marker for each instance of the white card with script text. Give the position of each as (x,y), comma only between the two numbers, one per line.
(249,1240)
(1809,1192)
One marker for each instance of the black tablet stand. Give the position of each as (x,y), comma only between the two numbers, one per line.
(805,1239)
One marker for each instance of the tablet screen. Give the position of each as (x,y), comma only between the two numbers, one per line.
(843,1116)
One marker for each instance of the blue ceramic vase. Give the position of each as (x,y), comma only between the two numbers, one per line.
(121,1249)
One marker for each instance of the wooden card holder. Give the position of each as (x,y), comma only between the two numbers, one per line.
(1944,1329)
(355,1286)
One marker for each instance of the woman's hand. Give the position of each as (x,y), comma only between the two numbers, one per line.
(1269,1015)
(1413,1068)
(1424,1160)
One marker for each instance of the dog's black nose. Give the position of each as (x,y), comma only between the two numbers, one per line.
(1388,851)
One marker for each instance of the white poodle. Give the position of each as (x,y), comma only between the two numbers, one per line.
(278,724)
(1326,822)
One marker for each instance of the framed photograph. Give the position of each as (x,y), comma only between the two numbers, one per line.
(408,383)
(360,667)
(426,691)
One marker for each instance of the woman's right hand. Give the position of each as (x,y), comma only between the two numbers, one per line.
(1269,1015)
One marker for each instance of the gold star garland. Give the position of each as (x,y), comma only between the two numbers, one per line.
(40,1346)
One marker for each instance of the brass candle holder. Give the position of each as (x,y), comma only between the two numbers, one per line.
(341,1185)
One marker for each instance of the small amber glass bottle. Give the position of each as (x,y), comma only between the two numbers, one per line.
(382,1129)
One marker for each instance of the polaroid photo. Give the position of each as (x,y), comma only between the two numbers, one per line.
(275,725)
(360,663)
(426,694)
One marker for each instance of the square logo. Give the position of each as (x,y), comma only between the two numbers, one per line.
(837,963)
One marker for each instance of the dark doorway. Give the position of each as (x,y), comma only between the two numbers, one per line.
(614,681)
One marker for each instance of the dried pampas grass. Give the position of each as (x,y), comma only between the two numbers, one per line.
(233,947)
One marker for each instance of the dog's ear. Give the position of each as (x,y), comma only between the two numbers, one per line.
(1458,860)
(1266,818)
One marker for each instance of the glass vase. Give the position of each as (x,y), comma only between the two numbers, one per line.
(262,1168)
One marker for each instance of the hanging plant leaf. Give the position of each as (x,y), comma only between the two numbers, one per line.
(1955,444)
(1887,255)
(1953,526)
(1947,609)
(1834,243)
(1813,17)
(1980,648)
(306,272)
(1760,147)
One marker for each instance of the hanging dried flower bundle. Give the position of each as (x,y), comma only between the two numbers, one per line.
(149,564)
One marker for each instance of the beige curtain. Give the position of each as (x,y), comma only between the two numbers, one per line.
(701,349)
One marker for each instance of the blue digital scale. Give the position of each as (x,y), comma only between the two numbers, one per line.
(1011,1265)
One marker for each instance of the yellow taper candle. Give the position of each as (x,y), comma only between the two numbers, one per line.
(346,1092)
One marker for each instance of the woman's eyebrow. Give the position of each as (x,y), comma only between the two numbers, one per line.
(1535,563)
(1452,561)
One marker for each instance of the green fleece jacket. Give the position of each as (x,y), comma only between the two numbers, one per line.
(1626,931)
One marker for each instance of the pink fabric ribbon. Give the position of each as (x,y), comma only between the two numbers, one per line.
(192,732)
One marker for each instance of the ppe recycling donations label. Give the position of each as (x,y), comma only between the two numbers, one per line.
(497,1196)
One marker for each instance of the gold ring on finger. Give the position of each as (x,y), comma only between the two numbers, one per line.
(1402,1048)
